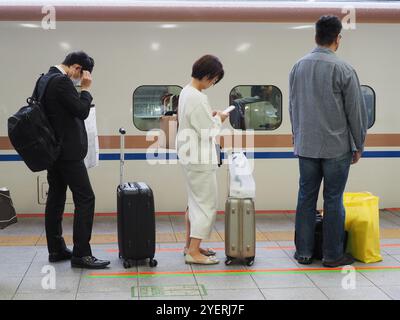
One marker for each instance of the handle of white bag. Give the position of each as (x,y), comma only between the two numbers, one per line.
(122,131)
(228,153)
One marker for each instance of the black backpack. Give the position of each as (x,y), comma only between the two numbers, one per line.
(31,134)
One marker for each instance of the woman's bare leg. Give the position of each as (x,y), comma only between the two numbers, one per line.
(194,249)
(187,221)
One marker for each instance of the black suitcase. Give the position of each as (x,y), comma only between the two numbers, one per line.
(136,220)
(318,238)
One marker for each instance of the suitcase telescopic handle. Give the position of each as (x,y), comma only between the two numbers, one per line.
(122,131)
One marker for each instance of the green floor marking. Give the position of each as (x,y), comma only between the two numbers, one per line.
(169,290)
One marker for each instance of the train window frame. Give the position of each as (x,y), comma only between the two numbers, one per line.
(264,85)
(374,104)
(133,102)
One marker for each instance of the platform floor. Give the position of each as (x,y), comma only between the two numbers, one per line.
(274,275)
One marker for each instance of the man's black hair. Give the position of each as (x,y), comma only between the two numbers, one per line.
(327,29)
(208,66)
(81,58)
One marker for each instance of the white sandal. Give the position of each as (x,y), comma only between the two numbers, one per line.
(209,260)
(209,252)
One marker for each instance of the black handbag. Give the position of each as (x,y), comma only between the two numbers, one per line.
(8,215)
(219,157)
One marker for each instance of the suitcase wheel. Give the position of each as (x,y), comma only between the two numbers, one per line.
(127,264)
(153,263)
(228,261)
(250,261)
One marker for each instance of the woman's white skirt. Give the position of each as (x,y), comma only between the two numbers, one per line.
(202,201)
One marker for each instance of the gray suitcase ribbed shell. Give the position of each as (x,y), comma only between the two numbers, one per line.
(240,229)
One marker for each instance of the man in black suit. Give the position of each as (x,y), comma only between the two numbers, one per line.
(67,109)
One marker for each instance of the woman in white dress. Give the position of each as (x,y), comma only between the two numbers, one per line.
(198,126)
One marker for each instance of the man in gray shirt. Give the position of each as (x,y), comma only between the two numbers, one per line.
(329,124)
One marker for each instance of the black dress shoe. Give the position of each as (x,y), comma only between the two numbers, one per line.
(343,261)
(88,262)
(65,254)
(303,260)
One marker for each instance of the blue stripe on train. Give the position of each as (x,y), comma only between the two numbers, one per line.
(172,156)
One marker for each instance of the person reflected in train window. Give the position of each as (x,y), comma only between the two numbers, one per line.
(165,102)
(266,93)
(274,96)
(235,94)
(329,125)
(169,102)
(67,109)
(198,156)
(237,117)
(175,100)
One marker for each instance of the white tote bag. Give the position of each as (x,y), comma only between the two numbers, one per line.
(242,184)
(92,157)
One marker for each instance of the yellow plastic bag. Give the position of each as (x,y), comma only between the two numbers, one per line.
(362,225)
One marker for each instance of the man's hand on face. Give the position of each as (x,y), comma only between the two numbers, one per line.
(86,81)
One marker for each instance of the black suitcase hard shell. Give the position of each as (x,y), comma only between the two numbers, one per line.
(136,221)
(318,238)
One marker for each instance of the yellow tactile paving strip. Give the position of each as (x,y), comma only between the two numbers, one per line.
(166,237)
(19,240)
(389,233)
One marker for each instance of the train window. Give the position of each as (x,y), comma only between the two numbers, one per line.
(258,107)
(150,103)
(370,101)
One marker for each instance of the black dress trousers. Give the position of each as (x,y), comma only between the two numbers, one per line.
(72,174)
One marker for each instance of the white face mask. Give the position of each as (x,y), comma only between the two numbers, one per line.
(76,82)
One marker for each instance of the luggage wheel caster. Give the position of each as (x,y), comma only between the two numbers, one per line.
(228,261)
(153,263)
(249,261)
(127,264)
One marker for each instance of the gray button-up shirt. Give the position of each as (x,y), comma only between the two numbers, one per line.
(326,106)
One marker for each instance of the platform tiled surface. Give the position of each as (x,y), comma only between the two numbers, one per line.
(274,275)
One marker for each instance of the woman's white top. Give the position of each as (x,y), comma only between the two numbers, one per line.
(197,131)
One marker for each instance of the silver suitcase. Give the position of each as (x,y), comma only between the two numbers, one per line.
(240,230)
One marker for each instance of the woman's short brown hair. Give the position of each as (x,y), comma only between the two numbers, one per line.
(208,66)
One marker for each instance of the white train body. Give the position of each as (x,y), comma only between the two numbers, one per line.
(130,54)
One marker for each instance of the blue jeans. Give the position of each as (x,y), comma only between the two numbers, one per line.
(334,172)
